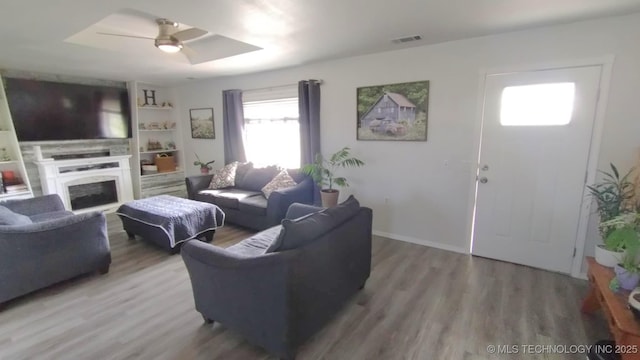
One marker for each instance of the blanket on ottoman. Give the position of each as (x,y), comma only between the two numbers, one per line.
(181,219)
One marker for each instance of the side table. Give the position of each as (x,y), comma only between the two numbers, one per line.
(622,325)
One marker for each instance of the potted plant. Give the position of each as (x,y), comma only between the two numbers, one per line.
(205,167)
(613,197)
(322,172)
(623,233)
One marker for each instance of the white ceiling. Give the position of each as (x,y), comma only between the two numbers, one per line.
(290,32)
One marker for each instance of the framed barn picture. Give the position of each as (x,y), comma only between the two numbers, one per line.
(202,126)
(393,112)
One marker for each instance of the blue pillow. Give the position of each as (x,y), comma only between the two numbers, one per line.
(8,217)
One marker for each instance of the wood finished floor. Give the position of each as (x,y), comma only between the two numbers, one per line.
(419,303)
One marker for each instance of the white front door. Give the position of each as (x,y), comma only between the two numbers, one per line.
(536,136)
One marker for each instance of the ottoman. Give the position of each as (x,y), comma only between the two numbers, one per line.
(168,221)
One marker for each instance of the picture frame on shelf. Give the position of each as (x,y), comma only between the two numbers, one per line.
(202,124)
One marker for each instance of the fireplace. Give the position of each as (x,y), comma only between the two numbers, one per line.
(94,194)
(87,184)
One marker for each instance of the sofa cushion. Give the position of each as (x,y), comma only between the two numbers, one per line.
(301,231)
(224,177)
(280,181)
(258,243)
(255,179)
(8,217)
(50,216)
(241,171)
(230,197)
(207,195)
(253,205)
(297,175)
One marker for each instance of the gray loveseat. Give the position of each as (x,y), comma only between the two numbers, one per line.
(244,204)
(42,244)
(280,286)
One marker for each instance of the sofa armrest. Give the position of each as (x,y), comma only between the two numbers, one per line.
(249,295)
(280,200)
(218,257)
(36,205)
(58,226)
(197,183)
(297,210)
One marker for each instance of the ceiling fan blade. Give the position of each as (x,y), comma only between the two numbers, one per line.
(189,34)
(129,36)
(189,53)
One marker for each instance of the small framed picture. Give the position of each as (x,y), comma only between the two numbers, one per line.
(202,126)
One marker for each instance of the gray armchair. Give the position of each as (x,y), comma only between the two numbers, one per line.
(42,244)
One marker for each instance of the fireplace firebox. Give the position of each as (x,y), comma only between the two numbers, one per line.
(93,194)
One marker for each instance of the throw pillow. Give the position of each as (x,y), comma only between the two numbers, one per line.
(299,232)
(8,217)
(282,181)
(225,177)
(256,178)
(241,171)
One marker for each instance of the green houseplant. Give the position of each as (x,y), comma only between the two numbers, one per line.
(623,234)
(205,167)
(322,172)
(613,196)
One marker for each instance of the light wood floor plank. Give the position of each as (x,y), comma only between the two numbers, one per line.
(419,303)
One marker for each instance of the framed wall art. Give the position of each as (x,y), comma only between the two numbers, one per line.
(202,126)
(394,112)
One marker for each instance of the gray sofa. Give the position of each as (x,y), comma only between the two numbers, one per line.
(244,204)
(42,244)
(280,286)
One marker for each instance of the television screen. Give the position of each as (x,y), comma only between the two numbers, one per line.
(45,110)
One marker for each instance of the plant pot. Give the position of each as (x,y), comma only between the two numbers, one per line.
(204,171)
(606,257)
(634,303)
(627,280)
(329,197)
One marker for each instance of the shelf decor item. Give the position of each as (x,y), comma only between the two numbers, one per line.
(395,112)
(165,163)
(202,126)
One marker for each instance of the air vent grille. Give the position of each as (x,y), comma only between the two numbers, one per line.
(406,39)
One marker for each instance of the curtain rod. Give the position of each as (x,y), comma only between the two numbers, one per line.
(280,86)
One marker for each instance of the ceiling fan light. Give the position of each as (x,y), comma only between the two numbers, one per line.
(170,45)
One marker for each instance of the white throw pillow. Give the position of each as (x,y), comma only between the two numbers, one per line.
(225,177)
(282,181)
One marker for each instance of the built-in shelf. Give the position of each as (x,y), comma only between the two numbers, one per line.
(9,162)
(155,107)
(162,173)
(158,151)
(17,193)
(156,130)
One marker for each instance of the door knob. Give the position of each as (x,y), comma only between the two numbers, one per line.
(485,168)
(484,180)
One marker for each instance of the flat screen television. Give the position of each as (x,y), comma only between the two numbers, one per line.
(46,110)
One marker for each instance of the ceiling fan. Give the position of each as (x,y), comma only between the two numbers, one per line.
(198,45)
(169,39)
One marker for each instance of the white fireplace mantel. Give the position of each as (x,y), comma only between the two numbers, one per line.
(57,175)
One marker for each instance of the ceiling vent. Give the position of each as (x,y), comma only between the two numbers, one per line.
(406,39)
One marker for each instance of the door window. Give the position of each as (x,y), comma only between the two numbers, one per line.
(537,105)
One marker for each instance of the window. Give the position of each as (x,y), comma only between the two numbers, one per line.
(272,132)
(537,105)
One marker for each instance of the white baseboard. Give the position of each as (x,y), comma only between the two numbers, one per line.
(583,276)
(422,242)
